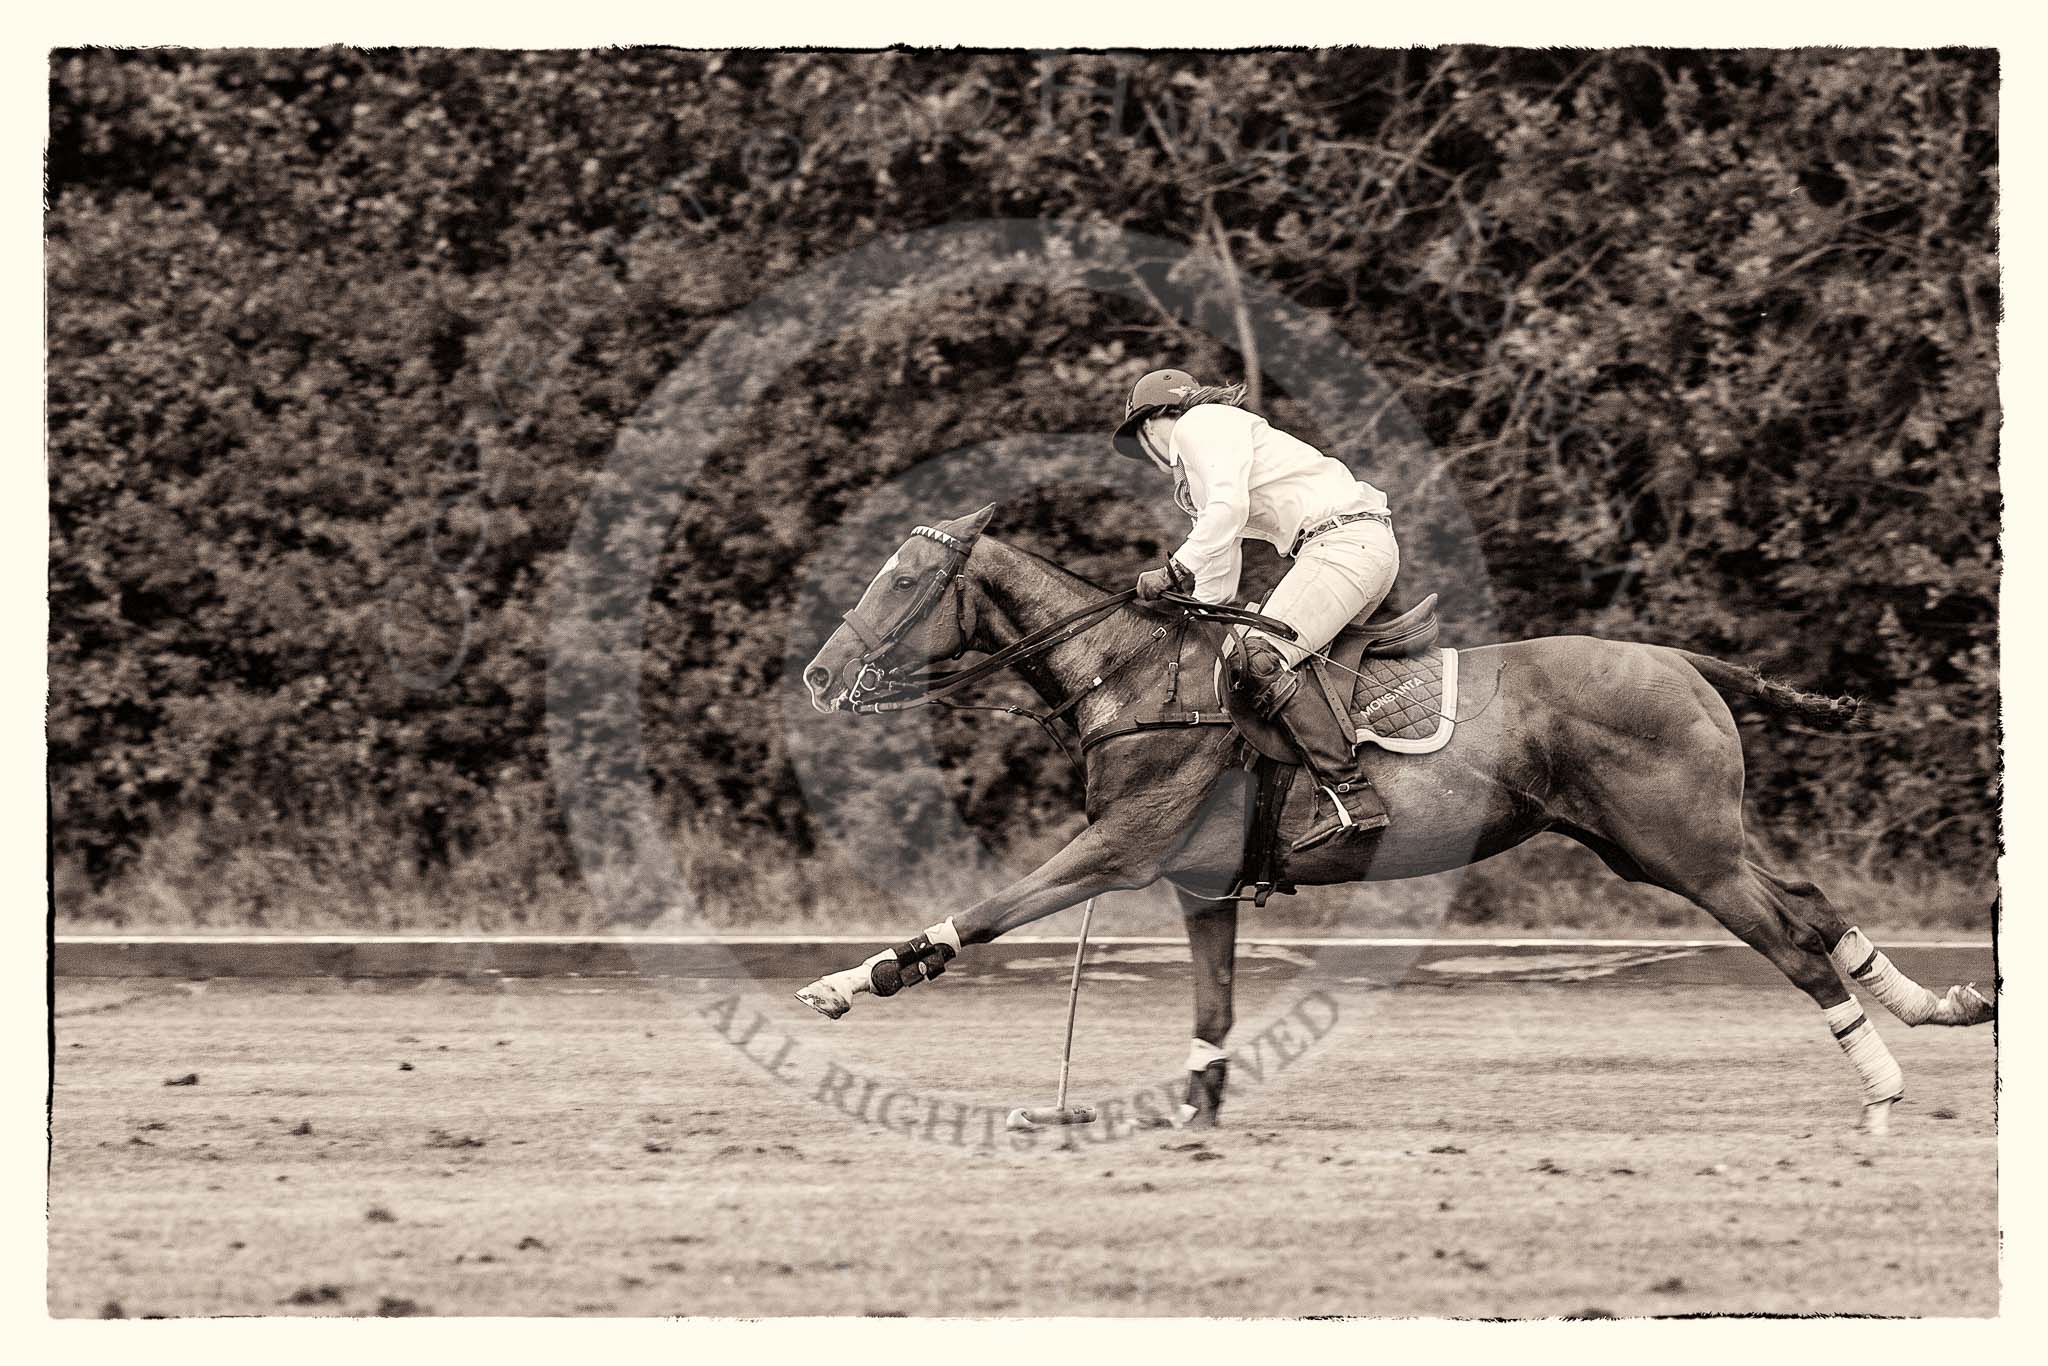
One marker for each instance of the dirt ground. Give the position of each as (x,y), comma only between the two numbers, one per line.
(655,1148)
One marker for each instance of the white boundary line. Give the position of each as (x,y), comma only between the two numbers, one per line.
(1104,941)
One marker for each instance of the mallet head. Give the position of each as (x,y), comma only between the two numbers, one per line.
(1050,1117)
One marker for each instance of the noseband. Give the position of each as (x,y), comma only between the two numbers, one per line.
(870,677)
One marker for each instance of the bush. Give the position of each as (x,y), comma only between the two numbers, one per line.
(340,341)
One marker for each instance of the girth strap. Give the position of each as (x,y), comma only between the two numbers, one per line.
(1162,720)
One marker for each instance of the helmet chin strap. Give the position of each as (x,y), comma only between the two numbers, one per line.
(1160,460)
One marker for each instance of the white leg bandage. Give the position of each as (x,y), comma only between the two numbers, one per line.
(1201,1053)
(1864,964)
(1882,1079)
(861,980)
(944,933)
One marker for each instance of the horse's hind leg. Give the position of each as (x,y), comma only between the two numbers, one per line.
(1698,857)
(1700,860)
(1212,943)
(1754,906)
(1863,963)
(1788,923)
(1660,799)
(1815,925)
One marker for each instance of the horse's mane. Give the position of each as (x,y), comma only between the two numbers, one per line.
(1058,571)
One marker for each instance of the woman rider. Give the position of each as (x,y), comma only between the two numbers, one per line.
(1237,476)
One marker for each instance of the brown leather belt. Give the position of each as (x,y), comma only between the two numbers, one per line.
(1309,533)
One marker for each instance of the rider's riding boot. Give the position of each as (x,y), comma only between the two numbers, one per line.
(1326,745)
(1355,807)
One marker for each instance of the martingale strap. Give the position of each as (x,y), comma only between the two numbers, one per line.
(1159,721)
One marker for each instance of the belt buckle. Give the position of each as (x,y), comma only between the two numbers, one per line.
(1341,519)
(1307,534)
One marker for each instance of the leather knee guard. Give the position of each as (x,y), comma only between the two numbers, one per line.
(1273,684)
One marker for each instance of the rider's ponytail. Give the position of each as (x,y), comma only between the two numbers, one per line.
(1229,395)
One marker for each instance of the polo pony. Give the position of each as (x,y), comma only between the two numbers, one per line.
(1627,748)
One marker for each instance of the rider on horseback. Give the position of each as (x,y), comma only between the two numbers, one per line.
(1237,477)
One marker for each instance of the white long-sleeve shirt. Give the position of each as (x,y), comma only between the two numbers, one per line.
(1246,478)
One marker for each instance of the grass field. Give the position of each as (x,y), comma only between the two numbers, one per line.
(565,1147)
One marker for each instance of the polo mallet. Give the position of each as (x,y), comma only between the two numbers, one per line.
(1059,1114)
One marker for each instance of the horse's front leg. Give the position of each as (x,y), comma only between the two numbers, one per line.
(1102,858)
(1212,944)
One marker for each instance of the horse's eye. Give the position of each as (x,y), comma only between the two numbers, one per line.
(905,582)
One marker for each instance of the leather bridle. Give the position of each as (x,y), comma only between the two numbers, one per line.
(870,677)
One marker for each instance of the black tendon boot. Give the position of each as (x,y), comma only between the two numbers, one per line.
(1205,1094)
(915,960)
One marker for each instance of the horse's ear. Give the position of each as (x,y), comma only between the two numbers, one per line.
(970,526)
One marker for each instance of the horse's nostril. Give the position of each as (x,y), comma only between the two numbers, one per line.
(817,676)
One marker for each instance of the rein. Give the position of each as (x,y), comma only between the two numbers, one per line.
(878,690)
(1234,616)
(913,690)
(904,691)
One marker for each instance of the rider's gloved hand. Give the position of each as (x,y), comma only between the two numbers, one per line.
(1172,577)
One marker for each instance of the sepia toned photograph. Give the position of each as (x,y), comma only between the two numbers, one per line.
(942,682)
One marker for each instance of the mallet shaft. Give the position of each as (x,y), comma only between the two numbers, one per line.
(1074,1001)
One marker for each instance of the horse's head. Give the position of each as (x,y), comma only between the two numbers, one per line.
(914,613)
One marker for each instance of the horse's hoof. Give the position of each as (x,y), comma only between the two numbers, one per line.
(1969,1006)
(825,998)
(1877,1117)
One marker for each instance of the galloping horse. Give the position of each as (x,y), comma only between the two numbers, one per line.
(1627,748)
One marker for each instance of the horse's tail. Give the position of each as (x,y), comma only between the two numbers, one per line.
(1836,713)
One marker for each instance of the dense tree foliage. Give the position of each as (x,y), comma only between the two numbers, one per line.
(1702,344)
